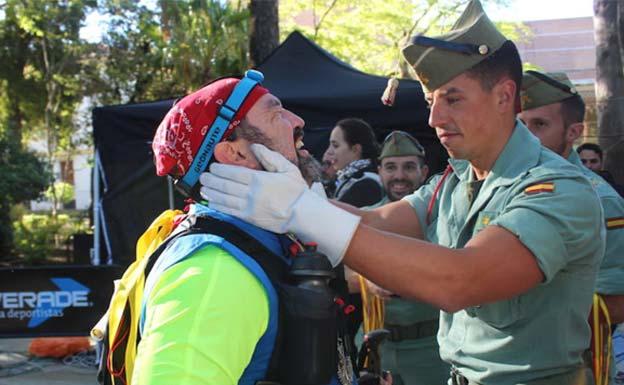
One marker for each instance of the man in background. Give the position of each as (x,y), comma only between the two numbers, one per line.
(554,111)
(592,158)
(402,167)
(411,353)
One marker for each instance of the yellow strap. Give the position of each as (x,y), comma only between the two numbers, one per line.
(156,233)
(372,308)
(602,340)
(130,289)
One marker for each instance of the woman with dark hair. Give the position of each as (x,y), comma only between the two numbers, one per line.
(352,154)
(353,151)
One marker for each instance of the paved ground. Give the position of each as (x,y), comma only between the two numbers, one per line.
(18,368)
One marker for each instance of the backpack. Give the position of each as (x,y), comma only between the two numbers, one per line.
(122,337)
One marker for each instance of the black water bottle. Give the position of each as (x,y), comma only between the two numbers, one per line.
(310,324)
(311,270)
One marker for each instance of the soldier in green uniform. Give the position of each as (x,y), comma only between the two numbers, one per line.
(411,353)
(512,233)
(554,112)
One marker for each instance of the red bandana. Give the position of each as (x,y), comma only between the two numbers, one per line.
(182,131)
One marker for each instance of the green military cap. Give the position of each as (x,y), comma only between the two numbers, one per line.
(472,39)
(540,89)
(399,143)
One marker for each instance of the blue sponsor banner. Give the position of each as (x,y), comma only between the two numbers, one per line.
(62,300)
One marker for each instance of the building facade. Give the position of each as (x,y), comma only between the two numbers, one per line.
(565,45)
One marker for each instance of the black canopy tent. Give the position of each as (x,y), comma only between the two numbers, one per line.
(309,81)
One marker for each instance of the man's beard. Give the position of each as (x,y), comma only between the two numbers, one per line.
(310,168)
(392,196)
(561,148)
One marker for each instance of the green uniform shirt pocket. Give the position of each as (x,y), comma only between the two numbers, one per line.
(497,314)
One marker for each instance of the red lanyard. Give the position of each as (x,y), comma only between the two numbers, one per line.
(434,197)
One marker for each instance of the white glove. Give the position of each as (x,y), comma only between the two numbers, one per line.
(279,200)
(318,189)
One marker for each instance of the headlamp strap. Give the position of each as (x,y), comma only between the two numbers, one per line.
(218,129)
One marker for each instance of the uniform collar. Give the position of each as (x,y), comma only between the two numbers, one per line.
(521,153)
(575,159)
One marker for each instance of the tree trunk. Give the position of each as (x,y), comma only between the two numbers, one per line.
(263,29)
(610,84)
(15,81)
(14,121)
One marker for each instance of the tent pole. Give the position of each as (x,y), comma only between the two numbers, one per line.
(95,251)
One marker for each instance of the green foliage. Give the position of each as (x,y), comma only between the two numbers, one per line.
(24,177)
(34,237)
(64,192)
(41,48)
(363,34)
(151,50)
(369,35)
(37,235)
(167,49)
(204,39)
(127,65)
(43,88)
(14,49)
(530,66)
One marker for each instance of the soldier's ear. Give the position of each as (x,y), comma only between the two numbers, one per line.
(505,93)
(574,131)
(424,171)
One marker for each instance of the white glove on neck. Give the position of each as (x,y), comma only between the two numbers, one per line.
(280,201)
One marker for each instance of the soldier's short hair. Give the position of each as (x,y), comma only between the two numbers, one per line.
(573,110)
(504,62)
(591,147)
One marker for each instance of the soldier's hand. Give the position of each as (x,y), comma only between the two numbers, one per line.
(279,200)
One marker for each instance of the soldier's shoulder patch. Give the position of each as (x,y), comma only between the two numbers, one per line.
(615,223)
(542,187)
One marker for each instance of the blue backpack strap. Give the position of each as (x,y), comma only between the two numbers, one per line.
(274,266)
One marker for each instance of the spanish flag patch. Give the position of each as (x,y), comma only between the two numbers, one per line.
(615,223)
(540,188)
